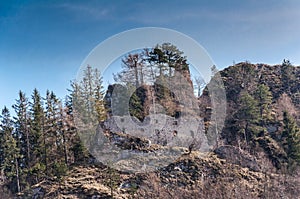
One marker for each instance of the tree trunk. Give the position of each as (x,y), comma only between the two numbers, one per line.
(142,76)
(65,148)
(136,75)
(17,175)
(160,70)
(27,143)
(45,154)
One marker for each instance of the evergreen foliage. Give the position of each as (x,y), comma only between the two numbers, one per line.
(10,153)
(42,140)
(264,99)
(291,137)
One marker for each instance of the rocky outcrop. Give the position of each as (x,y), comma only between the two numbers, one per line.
(227,172)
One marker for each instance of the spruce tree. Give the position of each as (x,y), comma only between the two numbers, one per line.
(88,110)
(291,137)
(37,134)
(248,112)
(50,131)
(246,116)
(99,96)
(158,58)
(287,75)
(62,123)
(2,140)
(75,146)
(22,128)
(264,98)
(10,153)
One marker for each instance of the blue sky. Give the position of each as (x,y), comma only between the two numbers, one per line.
(43,43)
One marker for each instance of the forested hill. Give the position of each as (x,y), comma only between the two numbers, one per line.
(263,112)
(257,154)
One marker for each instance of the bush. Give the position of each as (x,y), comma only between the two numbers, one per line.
(60,169)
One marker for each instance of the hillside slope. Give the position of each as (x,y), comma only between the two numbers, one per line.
(256,155)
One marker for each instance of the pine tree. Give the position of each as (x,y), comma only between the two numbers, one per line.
(287,75)
(65,134)
(37,133)
(248,109)
(158,58)
(6,128)
(22,129)
(50,131)
(10,153)
(62,123)
(73,141)
(264,97)
(291,137)
(99,96)
(87,99)
(247,115)
(174,58)
(167,57)
(2,141)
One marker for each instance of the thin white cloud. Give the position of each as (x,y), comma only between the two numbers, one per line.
(86,11)
(272,14)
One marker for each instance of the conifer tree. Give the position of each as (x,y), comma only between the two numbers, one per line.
(247,115)
(287,75)
(2,140)
(63,132)
(10,153)
(75,146)
(37,133)
(87,99)
(248,109)
(291,137)
(158,59)
(50,131)
(264,99)
(99,96)
(22,129)
(174,58)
